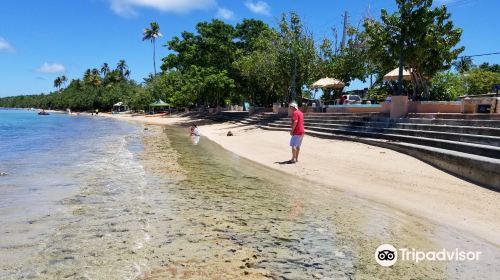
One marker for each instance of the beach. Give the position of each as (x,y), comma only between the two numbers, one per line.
(369,172)
(147,201)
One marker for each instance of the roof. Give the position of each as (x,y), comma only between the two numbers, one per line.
(159,103)
(394,75)
(328,83)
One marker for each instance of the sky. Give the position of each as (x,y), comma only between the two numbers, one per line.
(43,39)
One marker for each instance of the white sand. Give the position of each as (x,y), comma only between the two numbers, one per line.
(369,172)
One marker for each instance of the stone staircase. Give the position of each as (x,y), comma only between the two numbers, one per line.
(237,118)
(466,146)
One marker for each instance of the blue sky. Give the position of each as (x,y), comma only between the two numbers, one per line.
(43,39)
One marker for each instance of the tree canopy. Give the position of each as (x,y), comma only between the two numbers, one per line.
(421,37)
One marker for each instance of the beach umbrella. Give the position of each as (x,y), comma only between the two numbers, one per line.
(394,74)
(328,83)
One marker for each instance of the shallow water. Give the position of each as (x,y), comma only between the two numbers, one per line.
(172,209)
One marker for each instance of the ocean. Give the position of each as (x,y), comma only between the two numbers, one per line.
(47,160)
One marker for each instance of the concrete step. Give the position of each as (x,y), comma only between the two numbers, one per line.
(414,130)
(450,122)
(476,131)
(471,148)
(456,116)
(454,122)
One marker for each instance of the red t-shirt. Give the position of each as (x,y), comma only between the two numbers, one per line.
(299,117)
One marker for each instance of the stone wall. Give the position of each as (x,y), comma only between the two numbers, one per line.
(434,107)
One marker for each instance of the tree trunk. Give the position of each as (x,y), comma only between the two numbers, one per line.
(154,56)
(414,82)
(293,82)
(400,74)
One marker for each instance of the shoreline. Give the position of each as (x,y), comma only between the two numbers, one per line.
(372,173)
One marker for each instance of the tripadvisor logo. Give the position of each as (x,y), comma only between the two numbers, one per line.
(387,255)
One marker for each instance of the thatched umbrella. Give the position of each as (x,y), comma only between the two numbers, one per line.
(328,83)
(394,74)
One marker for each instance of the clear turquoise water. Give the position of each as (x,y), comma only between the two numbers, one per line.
(47,159)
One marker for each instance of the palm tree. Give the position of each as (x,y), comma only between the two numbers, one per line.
(105,69)
(463,64)
(57,83)
(86,75)
(151,34)
(122,67)
(63,80)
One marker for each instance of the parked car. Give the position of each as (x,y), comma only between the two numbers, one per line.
(348,99)
(352,99)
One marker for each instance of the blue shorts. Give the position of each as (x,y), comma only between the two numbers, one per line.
(296,141)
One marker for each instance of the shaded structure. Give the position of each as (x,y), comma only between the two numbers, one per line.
(158,106)
(120,107)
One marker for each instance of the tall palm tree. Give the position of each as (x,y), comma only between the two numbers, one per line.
(122,67)
(105,69)
(463,64)
(63,80)
(86,75)
(151,34)
(57,83)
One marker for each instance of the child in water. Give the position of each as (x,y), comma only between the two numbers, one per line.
(194,130)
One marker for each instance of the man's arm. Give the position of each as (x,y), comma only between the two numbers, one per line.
(294,125)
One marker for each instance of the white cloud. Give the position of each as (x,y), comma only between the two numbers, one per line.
(259,7)
(5,46)
(225,13)
(48,68)
(126,7)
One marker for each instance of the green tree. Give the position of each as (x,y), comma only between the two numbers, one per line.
(57,83)
(463,64)
(490,67)
(296,54)
(479,81)
(105,69)
(258,73)
(446,86)
(417,35)
(122,68)
(346,63)
(151,34)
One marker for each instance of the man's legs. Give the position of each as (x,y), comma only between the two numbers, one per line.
(295,143)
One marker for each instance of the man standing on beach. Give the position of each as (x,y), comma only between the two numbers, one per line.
(297,131)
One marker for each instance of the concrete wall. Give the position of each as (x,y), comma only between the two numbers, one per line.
(354,109)
(386,108)
(470,104)
(434,107)
(399,106)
